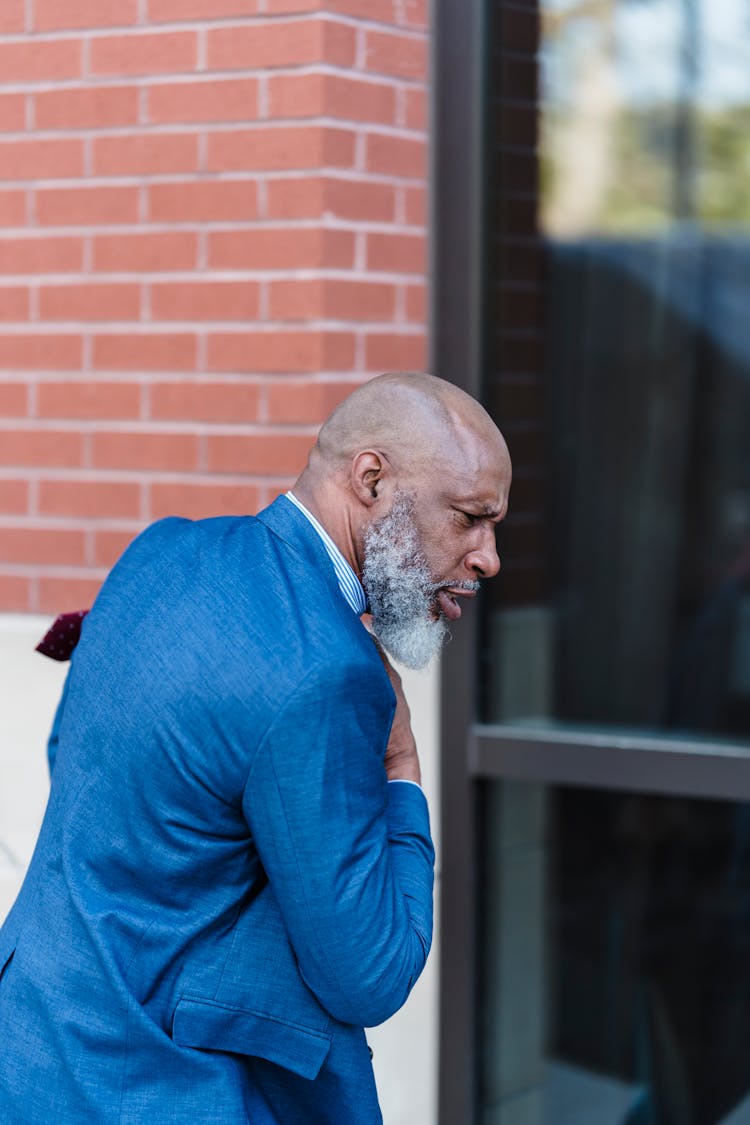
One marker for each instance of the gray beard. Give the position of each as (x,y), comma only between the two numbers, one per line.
(400,588)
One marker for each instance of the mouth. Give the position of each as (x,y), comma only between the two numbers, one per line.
(447,600)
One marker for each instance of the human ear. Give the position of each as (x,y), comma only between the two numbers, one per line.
(368,471)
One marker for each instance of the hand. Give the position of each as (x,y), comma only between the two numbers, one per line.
(401,758)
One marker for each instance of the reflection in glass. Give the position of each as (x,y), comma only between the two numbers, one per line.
(616,982)
(618,361)
(645,114)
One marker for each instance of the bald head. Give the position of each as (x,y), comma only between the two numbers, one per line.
(410,435)
(407,417)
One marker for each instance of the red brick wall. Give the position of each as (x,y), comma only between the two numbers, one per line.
(212,226)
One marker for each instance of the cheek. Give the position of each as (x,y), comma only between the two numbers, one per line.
(443,548)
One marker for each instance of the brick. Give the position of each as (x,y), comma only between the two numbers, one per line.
(45,61)
(12,16)
(133,253)
(396,253)
(52,353)
(292,7)
(332,300)
(110,544)
(14,303)
(276,352)
(358,199)
(171,11)
(86,206)
(14,400)
(519,78)
(520,29)
(12,208)
(415,205)
(88,400)
(145,352)
(226,100)
(63,546)
(140,450)
(415,109)
(148,154)
(272,454)
(396,156)
(312,196)
(287,43)
(162,52)
(395,353)
(295,197)
(205,300)
(359,100)
(403,56)
(87,107)
(41,255)
(205,402)
(203,201)
(90,499)
(416,303)
(40,159)
(12,113)
(311,95)
(296,95)
(200,501)
(90,302)
(416,13)
(15,593)
(63,448)
(381,11)
(304,403)
(296,300)
(14,496)
(280,248)
(69,593)
(280,147)
(51,15)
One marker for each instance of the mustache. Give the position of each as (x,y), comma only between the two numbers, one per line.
(469,585)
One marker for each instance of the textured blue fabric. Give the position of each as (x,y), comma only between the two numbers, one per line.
(225,889)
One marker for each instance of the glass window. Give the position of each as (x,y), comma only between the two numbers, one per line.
(617,359)
(618,987)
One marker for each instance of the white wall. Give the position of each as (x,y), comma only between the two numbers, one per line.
(405,1049)
(30,686)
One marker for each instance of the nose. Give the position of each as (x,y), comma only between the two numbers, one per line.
(484,561)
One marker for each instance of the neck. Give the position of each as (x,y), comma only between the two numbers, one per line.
(325,501)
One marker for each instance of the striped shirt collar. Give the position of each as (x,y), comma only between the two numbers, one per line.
(349,584)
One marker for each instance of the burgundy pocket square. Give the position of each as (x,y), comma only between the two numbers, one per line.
(62,636)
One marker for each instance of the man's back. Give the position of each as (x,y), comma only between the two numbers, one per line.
(194,940)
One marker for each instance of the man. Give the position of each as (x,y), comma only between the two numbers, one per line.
(234,873)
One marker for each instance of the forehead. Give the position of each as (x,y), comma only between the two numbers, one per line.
(474,473)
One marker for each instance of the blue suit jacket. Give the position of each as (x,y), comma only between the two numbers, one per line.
(225,888)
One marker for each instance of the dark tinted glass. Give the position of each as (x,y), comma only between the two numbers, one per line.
(616,982)
(617,359)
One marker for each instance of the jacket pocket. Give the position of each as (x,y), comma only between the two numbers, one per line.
(220,1027)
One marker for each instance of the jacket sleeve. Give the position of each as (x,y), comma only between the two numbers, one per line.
(349,857)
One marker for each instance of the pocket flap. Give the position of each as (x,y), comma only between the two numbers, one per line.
(219,1027)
